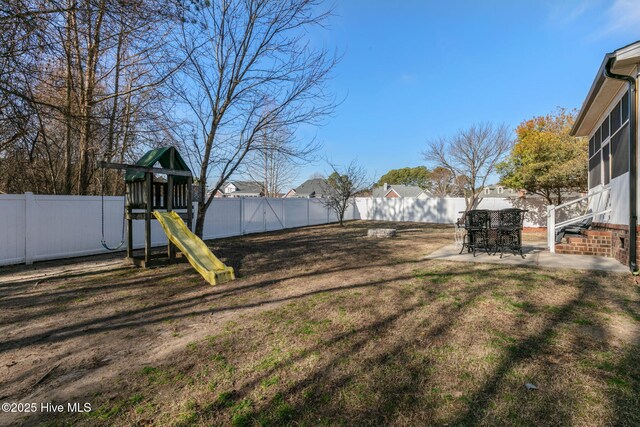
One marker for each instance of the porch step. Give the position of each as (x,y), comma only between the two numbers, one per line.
(591,242)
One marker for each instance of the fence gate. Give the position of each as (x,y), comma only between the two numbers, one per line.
(262,214)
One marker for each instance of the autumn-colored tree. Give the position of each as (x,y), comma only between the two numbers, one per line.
(546,160)
(420,176)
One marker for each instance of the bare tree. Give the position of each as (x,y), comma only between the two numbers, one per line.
(344,184)
(472,153)
(317,175)
(249,69)
(80,81)
(275,159)
(443,183)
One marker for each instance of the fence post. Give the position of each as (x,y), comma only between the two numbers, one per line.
(29,224)
(308,211)
(551,228)
(328,214)
(284,214)
(242,228)
(264,214)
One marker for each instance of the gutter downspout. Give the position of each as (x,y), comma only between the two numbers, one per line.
(633,159)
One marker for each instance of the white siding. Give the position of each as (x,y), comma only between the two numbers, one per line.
(619,200)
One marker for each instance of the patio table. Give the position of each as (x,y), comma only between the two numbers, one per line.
(501,229)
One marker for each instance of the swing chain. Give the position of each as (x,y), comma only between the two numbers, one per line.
(103,241)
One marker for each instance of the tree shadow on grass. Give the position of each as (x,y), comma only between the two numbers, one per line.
(360,336)
(169,310)
(396,395)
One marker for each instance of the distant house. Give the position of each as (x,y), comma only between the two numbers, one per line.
(393,191)
(311,188)
(502,192)
(243,189)
(499,191)
(218,193)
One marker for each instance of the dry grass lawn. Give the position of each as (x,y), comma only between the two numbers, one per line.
(327,327)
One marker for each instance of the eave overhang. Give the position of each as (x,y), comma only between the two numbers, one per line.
(603,91)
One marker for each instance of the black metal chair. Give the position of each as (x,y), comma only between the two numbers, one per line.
(476,225)
(509,231)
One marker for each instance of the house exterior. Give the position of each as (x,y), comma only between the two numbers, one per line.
(217,194)
(243,189)
(311,188)
(608,118)
(290,193)
(500,191)
(393,191)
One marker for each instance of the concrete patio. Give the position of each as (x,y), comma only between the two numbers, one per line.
(536,254)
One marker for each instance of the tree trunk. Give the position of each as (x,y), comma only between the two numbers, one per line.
(68,173)
(202,212)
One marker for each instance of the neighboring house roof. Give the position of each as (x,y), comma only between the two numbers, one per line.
(604,90)
(290,193)
(316,187)
(499,191)
(246,187)
(209,192)
(400,190)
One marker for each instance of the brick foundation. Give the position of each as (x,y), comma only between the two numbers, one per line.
(591,242)
(608,240)
(619,238)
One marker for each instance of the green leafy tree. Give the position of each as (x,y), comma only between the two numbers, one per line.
(546,160)
(420,176)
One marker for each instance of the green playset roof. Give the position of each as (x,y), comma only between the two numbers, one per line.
(162,156)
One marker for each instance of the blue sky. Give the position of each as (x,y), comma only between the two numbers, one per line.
(414,70)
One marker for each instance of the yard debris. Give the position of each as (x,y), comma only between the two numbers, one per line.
(46,374)
(530,386)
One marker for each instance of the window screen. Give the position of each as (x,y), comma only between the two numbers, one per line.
(605,128)
(619,152)
(594,170)
(605,164)
(591,146)
(615,118)
(598,140)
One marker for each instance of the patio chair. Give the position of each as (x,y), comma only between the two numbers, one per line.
(509,232)
(476,225)
(459,232)
(574,229)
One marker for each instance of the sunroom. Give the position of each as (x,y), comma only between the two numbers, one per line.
(608,117)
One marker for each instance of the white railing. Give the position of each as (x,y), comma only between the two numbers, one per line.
(599,207)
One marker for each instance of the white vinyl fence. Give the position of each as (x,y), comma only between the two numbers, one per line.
(442,210)
(43,227)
